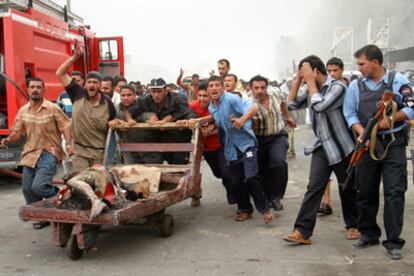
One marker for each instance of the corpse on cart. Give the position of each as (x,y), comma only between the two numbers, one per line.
(121,193)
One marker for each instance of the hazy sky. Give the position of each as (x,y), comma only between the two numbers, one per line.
(163,35)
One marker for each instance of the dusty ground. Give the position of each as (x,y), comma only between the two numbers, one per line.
(206,241)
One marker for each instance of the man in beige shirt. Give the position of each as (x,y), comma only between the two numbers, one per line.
(92,110)
(43,123)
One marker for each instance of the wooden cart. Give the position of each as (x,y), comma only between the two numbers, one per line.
(72,229)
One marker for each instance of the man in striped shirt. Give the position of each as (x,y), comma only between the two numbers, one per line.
(43,123)
(331,148)
(268,124)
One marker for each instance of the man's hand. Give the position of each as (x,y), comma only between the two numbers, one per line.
(307,73)
(152,120)
(298,78)
(189,123)
(181,122)
(131,122)
(211,73)
(385,123)
(209,130)
(69,149)
(4,144)
(237,122)
(114,123)
(359,140)
(291,122)
(181,72)
(78,50)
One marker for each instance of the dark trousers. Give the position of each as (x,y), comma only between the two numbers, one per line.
(220,168)
(393,170)
(245,175)
(320,172)
(273,168)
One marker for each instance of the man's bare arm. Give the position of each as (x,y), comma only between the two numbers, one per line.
(295,88)
(13,137)
(62,71)
(179,82)
(67,134)
(239,122)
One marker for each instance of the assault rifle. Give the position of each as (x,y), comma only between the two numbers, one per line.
(360,147)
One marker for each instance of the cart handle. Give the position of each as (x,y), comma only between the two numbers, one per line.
(172,125)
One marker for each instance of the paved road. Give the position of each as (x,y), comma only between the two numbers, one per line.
(206,241)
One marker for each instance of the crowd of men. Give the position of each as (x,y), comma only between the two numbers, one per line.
(247,130)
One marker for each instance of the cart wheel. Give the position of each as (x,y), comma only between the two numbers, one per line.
(74,253)
(166,225)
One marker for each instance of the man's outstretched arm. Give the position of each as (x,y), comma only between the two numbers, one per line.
(62,71)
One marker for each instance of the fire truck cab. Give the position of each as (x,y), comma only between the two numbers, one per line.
(36,36)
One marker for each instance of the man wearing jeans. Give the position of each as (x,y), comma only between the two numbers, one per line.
(43,123)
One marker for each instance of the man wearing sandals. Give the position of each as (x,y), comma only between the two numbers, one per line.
(331,149)
(43,123)
(272,139)
(233,116)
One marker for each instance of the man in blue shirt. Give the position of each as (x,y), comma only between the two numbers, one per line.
(233,117)
(360,105)
(63,100)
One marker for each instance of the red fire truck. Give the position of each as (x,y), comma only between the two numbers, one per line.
(36,36)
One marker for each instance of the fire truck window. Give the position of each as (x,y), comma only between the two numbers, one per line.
(108,50)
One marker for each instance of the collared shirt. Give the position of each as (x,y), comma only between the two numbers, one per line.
(269,120)
(351,102)
(65,103)
(229,106)
(328,122)
(89,121)
(116,99)
(174,105)
(210,142)
(43,128)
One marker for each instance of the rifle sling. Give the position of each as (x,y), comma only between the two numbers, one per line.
(374,132)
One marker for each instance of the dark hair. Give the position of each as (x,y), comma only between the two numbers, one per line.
(202,85)
(94,75)
(110,79)
(336,61)
(371,52)
(233,76)
(226,61)
(315,63)
(354,77)
(127,86)
(76,73)
(195,76)
(119,78)
(172,86)
(215,78)
(258,78)
(34,79)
